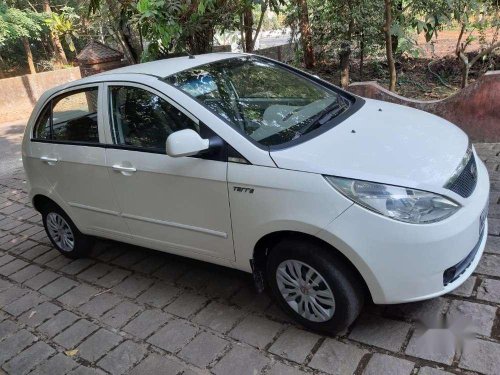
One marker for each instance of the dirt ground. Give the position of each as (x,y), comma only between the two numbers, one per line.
(436,74)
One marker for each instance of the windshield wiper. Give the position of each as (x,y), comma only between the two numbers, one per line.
(328,113)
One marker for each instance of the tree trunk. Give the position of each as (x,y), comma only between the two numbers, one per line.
(259,25)
(345,56)
(388,45)
(305,34)
(29,55)
(248,25)
(361,56)
(56,42)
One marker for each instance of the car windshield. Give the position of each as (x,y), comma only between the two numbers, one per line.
(269,103)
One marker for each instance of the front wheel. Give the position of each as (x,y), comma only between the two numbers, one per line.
(314,286)
(63,233)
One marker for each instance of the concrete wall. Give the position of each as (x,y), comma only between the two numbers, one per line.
(282,52)
(19,94)
(475,109)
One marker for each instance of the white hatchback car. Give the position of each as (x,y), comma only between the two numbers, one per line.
(327,198)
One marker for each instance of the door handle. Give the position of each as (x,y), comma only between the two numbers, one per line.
(48,160)
(121,168)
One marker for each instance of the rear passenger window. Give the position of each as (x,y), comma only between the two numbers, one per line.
(71,117)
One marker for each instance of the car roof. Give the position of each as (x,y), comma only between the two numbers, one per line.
(166,67)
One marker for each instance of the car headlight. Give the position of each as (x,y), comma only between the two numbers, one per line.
(398,203)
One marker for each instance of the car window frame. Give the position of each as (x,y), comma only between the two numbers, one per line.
(66,92)
(108,132)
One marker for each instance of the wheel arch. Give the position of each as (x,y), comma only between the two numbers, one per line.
(265,244)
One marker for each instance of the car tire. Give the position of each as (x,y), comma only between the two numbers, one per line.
(333,296)
(63,233)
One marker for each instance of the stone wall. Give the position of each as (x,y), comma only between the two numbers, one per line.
(282,52)
(18,95)
(475,109)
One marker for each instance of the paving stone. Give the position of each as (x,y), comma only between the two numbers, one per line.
(493,245)
(58,323)
(156,364)
(132,286)
(100,304)
(494,226)
(223,284)
(423,310)
(281,369)
(36,252)
(24,303)
(29,358)
(150,264)
(58,287)
(7,328)
(481,356)
(77,266)
(79,295)
(21,247)
(203,349)
(334,357)
(82,370)
(122,358)
(489,265)
(47,257)
(14,266)
(14,344)
(384,333)
(432,371)
(171,271)
(119,315)
(388,365)
(39,314)
(294,344)
(146,323)
(42,279)
(241,361)
(72,336)
(489,290)
(159,295)
(436,345)
(58,262)
(129,258)
(57,365)
(113,278)
(6,258)
(26,273)
(94,273)
(466,289)
(218,317)
(11,294)
(95,346)
(256,331)
(479,317)
(186,305)
(174,336)
(4,285)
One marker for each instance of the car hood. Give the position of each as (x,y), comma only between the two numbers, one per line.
(383,142)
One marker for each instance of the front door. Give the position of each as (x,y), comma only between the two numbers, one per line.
(179,204)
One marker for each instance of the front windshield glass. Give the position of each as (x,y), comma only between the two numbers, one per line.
(265,101)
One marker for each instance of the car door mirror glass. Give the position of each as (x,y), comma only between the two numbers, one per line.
(185,142)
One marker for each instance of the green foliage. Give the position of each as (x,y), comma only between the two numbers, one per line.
(63,24)
(18,23)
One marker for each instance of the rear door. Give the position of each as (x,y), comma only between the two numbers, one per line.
(68,147)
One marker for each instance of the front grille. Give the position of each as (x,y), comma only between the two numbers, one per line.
(465,183)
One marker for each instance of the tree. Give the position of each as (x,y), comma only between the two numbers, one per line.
(388,45)
(23,25)
(305,34)
(60,55)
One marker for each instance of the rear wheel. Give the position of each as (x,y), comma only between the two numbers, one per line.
(63,233)
(314,285)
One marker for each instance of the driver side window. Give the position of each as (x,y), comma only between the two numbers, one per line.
(142,119)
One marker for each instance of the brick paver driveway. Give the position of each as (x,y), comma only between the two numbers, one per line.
(131,310)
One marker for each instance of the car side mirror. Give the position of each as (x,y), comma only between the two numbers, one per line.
(186,143)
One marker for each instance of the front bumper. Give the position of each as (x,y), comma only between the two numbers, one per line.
(403,262)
